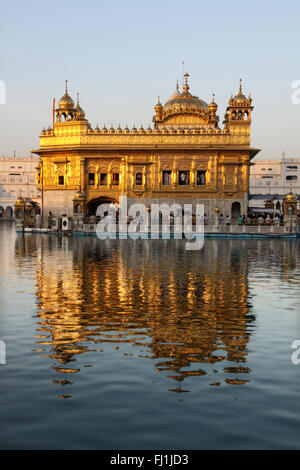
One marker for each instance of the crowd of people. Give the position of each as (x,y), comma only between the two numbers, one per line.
(250,219)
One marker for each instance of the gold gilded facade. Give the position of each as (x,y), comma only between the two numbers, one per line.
(186,155)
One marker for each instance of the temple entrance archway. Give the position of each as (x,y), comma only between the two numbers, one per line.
(235,210)
(9,211)
(93,204)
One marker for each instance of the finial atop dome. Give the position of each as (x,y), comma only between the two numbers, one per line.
(80,114)
(240,98)
(213,106)
(186,85)
(158,109)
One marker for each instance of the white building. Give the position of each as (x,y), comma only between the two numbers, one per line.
(273,179)
(17,178)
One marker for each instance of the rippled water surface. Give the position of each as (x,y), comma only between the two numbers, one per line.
(140,344)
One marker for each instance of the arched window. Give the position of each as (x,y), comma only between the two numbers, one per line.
(78,209)
(115,179)
(138,179)
(166,177)
(91,179)
(235,210)
(103,179)
(19,214)
(201,178)
(9,211)
(184,178)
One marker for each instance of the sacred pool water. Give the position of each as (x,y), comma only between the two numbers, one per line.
(141,344)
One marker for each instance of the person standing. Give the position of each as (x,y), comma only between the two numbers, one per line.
(37,220)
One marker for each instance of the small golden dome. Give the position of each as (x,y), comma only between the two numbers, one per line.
(80,114)
(66,101)
(104,130)
(79,195)
(240,99)
(213,105)
(112,130)
(158,106)
(20,200)
(290,196)
(119,130)
(149,130)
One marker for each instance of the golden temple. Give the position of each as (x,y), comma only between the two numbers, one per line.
(185,156)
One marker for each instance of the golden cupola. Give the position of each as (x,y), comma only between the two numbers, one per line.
(65,110)
(290,196)
(240,99)
(238,113)
(79,113)
(213,110)
(66,101)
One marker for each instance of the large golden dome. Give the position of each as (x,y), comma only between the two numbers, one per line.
(185,111)
(184,102)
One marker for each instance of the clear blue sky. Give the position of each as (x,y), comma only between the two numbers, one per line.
(121,55)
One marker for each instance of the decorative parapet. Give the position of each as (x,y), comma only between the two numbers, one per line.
(73,136)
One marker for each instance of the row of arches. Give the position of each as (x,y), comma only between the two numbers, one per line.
(6,212)
(93,204)
(240,115)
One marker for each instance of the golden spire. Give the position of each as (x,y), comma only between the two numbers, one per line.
(158,106)
(66,87)
(186,86)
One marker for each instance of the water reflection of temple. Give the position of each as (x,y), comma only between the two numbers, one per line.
(190,311)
